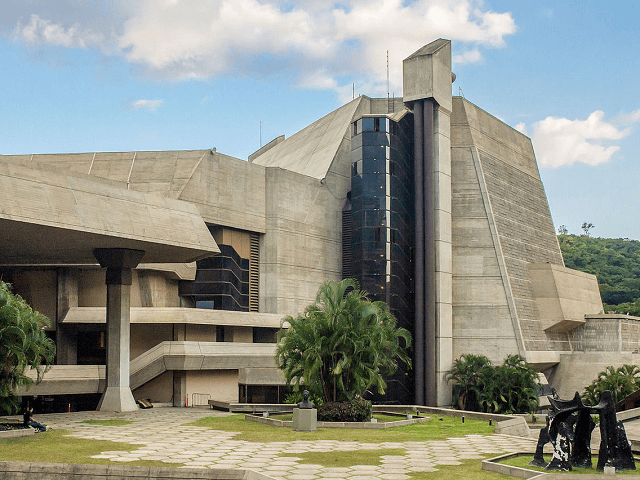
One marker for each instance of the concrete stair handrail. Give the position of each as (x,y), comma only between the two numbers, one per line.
(168,355)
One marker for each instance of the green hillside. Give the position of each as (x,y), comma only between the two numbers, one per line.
(616,263)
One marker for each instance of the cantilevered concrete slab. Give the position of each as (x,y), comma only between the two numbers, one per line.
(48,217)
(178,315)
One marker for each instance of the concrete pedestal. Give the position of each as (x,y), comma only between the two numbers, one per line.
(305,419)
(119,262)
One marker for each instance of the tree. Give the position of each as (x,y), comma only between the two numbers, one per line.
(23,344)
(468,373)
(619,381)
(562,230)
(586,227)
(341,345)
(507,388)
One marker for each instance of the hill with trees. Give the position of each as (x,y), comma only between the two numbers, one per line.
(616,263)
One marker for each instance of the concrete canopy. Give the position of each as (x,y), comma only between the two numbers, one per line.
(49,217)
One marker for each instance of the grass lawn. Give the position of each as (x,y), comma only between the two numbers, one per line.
(522,462)
(52,446)
(438,428)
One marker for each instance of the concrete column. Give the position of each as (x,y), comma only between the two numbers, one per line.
(118,262)
(179,388)
(66,335)
(426,82)
(443,253)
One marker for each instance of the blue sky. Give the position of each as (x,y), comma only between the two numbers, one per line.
(113,75)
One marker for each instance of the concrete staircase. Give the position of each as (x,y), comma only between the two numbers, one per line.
(185,355)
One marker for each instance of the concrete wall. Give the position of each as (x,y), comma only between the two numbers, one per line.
(563,296)
(302,246)
(92,291)
(38,287)
(148,335)
(158,390)
(155,290)
(578,369)
(607,333)
(200,333)
(220,384)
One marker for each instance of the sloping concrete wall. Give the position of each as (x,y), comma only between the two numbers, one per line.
(502,223)
(482,317)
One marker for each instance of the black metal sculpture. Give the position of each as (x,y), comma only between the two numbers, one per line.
(569,428)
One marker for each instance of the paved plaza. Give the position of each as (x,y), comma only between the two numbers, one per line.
(164,434)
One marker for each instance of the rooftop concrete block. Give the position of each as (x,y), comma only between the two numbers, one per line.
(427,74)
(564,296)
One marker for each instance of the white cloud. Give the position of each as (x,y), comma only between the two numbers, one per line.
(39,31)
(628,118)
(470,56)
(152,105)
(521,127)
(319,44)
(560,141)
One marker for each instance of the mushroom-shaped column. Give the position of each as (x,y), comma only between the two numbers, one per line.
(118,262)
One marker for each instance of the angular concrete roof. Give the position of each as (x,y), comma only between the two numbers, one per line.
(164,173)
(49,217)
(312,150)
(430,48)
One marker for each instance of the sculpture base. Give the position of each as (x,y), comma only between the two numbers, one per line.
(305,419)
(117,399)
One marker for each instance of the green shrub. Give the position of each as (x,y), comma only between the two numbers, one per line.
(621,382)
(507,388)
(357,410)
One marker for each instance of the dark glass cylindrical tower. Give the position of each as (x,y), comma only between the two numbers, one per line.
(382,222)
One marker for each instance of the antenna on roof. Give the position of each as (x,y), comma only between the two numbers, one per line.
(460,92)
(354,91)
(260,133)
(387,80)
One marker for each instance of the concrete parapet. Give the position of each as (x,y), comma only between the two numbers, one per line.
(66,471)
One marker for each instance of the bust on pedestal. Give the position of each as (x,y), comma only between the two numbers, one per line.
(305,417)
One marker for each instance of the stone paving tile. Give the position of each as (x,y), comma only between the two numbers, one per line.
(163,435)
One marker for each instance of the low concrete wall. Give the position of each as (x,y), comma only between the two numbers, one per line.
(492,465)
(64,471)
(505,424)
(21,432)
(361,425)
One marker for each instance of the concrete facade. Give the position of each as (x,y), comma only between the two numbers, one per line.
(496,284)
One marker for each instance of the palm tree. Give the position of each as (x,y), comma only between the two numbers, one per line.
(468,374)
(342,345)
(23,344)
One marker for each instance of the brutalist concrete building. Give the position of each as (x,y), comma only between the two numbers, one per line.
(167,274)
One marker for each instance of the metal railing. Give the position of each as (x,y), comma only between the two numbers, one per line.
(200,399)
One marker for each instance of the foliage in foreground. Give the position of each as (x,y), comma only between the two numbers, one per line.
(356,410)
(620,381)
(23,344)
(483,387)
(341,345)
